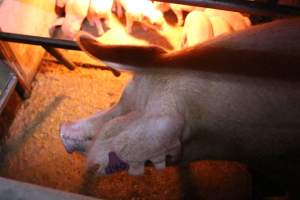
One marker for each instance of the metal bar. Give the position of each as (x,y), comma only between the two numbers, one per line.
(7,88)
(7,55)
(36,40)
(7,92)
(60,57)
(49,44)
(250,7)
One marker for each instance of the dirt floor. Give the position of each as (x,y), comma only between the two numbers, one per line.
(35,154)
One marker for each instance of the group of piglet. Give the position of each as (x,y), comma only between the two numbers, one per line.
(200,24)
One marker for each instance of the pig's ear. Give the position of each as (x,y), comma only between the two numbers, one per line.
(127,57)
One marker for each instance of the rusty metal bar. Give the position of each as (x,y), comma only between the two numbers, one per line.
(60,57)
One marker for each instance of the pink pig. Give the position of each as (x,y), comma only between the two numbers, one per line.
(100,9)
(61,3)
(178,9)
(234,97)
(139,10)
(200,26)
(76,11)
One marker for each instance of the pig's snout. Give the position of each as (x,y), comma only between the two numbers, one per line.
(70,141)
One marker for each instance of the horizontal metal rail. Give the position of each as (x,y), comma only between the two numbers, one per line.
(36,40)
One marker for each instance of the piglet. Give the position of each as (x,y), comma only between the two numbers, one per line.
(235,97)
(197,28)
(235,19)
(100,9)
(141,10)
(61,3)
(200,26)
(60,7)
(178,10)
(76,11)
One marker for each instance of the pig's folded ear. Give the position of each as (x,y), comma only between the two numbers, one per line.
(128,57)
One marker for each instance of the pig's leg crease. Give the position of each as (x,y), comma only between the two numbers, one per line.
(146,137)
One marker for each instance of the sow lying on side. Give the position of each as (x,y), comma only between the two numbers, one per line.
(236,97)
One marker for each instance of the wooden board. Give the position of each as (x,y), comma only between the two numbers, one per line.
(31,17)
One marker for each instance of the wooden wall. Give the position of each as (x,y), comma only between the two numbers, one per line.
(32,17)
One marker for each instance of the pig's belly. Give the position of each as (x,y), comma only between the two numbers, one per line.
(233,117)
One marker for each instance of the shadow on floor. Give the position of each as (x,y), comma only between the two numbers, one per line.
(12,146)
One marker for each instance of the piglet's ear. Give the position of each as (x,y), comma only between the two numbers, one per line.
(128,57)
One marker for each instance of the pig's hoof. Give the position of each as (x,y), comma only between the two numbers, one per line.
(67,142)
(115,164)
(132,148)
(70,142)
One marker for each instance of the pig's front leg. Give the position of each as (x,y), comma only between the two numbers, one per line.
(140,137)
(77,136)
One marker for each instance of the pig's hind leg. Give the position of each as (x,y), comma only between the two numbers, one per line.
(142,138)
